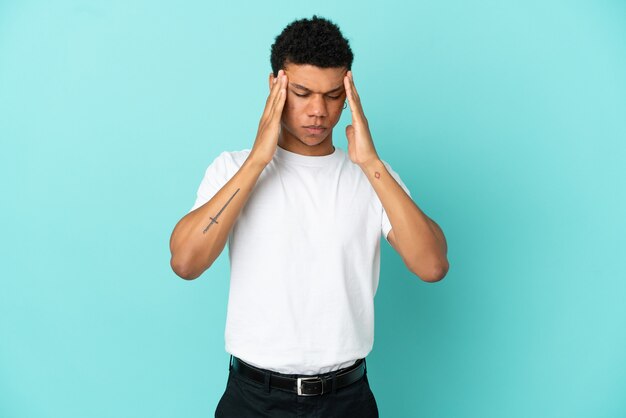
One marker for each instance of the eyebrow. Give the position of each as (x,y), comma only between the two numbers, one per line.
(298,86)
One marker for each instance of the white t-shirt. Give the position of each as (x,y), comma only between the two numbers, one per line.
(304,260)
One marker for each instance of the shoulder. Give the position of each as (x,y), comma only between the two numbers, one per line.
(225,165)
(233,156)
(230,159)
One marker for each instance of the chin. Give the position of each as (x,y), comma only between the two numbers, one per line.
(312,140)
(306,138)
(312,144)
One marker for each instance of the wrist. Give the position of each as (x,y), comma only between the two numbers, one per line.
(372,164)
(254,161)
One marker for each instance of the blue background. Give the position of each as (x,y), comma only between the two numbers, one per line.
(506,119)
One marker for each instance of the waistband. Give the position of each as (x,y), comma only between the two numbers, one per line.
(303,385)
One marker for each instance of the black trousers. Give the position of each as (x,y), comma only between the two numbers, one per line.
(244,398)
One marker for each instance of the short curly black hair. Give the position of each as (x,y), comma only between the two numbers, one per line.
(316,41)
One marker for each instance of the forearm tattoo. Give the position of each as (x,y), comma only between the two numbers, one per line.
(214,220)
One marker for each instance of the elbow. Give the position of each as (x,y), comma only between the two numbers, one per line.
(436,275)
(432,272)
(183,269)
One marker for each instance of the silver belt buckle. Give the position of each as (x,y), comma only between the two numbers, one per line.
(299,385)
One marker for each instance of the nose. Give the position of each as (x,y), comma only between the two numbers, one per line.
(317,106)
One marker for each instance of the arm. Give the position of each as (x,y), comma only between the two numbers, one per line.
(419,241)
(200,236)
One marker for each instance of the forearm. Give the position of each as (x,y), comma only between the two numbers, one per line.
(419,241)
(200,236)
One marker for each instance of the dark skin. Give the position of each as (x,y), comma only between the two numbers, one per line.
(417,238)
(303,107)
(314,96)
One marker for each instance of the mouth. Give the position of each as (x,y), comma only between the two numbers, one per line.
(315,129)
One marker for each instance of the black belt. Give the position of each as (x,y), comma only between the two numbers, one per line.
(304,385)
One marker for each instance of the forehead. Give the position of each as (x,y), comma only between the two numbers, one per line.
(315,78)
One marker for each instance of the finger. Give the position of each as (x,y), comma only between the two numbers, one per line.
(275,88)
(279,96)
(269,102)
(354,90)
(271,98)
(356,98)
(355,107)
(348,88)
(279,101)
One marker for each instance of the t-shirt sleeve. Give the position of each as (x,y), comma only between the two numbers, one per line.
(385,224)
(215,177)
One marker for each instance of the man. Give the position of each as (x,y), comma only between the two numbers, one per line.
(303,220)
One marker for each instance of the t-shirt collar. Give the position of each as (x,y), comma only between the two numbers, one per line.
(313,161)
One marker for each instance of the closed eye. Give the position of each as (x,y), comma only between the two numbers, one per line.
(306,95)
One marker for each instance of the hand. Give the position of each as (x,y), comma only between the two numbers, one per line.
(266,139)
(360,144)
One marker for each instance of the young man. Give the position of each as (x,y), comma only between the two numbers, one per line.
(303,220)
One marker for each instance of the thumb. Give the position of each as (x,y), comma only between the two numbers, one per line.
(350,133)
